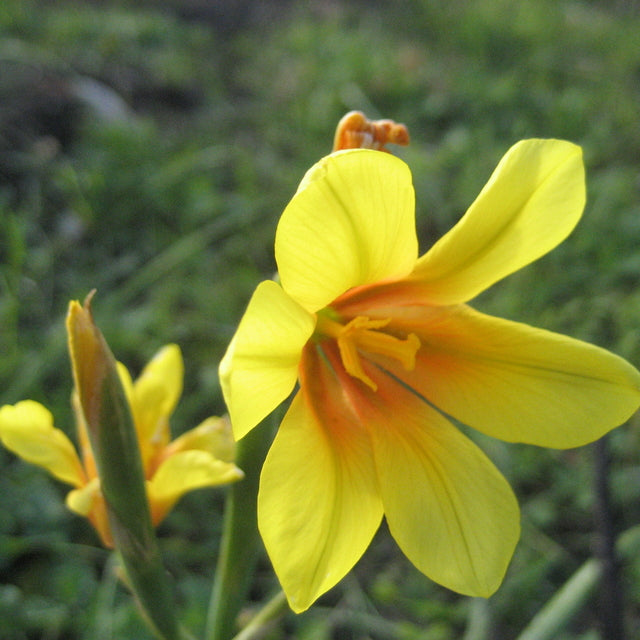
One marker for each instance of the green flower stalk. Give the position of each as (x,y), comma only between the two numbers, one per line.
(240,544)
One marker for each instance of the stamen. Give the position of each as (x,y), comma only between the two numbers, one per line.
(356,131)
(362,334)
(351,362)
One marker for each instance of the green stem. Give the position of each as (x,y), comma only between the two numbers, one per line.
(571,598)
(240,545)
(611,594)
(274,609)
(478,620)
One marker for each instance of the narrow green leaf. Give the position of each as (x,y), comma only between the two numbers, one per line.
(115,446)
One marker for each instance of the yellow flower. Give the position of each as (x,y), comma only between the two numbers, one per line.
(199,458)
(387,354)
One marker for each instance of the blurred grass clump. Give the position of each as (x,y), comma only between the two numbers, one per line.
(147,150)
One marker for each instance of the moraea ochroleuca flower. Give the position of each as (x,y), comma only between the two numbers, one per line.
(387,355)
(201,457)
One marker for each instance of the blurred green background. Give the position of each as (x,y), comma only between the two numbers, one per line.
(147,150)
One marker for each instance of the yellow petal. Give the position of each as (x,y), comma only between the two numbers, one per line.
(350,223)
(450,510)
(155,395)
(318,504)
(213,435)
(260,367)
(27,429)
(88,501)
(186,471)
(82,500)
(515,382)
(531,203)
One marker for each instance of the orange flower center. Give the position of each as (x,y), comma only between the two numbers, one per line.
(362,335)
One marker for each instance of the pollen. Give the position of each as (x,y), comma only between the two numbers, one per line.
(356,131)
(361,336)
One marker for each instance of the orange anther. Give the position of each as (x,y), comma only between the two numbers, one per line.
(356,131)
